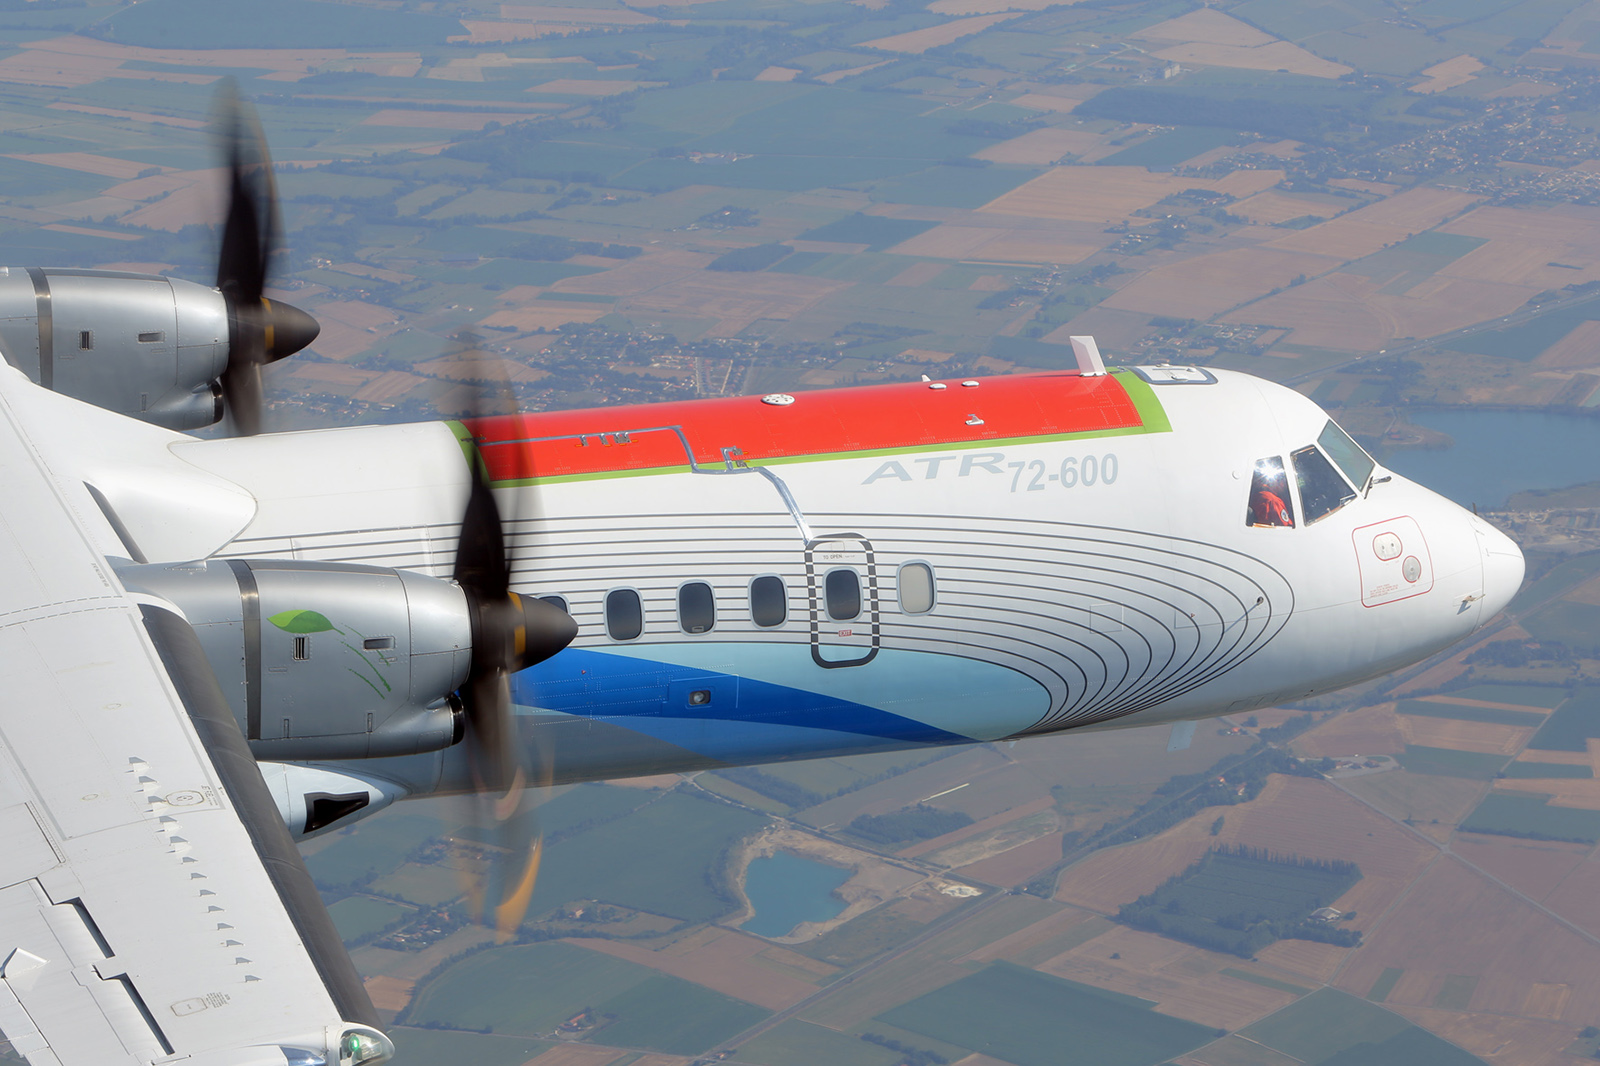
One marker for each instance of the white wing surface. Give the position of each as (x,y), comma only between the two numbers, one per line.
(152,905)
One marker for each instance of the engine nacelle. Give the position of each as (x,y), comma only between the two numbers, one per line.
(325,661)
(142,345)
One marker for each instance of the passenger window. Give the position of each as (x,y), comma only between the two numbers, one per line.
(697,607)
(1352,459)
(842,589)
(624,614)
(916,588)
(1322,490)
(769,601)
(1269,495)
(557,601)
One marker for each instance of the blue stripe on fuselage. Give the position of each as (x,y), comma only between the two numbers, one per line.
(742,716)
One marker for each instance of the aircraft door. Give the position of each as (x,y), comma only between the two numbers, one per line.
(842,586)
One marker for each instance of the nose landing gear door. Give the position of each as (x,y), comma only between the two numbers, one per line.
(842,580)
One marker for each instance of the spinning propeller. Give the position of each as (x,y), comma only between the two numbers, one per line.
(259,330)
(509,633)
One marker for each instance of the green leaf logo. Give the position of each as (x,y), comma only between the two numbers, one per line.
(301,622)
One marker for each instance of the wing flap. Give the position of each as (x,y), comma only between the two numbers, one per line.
(138,920)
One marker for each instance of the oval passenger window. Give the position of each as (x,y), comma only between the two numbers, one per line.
(916,588)
(769,601)
(842,589)
(624,614)
(697,607)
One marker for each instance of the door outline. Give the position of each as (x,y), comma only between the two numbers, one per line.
(869,612)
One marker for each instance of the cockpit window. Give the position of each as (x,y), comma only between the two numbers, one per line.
(1322,490)
(1269,495)
(1356,463)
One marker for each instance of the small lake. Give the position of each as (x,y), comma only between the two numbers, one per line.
(1498,453)
(786,890)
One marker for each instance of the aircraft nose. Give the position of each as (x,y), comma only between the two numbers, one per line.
(1503,568)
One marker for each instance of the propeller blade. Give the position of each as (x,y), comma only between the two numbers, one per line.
(259,330)
(510,633)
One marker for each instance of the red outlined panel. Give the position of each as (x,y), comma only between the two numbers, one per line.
(1393,559)
(825,422)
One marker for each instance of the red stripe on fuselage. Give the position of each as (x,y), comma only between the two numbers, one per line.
(870,418)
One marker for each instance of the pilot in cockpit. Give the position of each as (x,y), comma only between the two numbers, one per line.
(1269,496)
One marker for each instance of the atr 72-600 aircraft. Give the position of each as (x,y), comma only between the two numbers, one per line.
(213,647)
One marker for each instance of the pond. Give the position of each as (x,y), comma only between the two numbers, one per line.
(786,890)
(1498,453)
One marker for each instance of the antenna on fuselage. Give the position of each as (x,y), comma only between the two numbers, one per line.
(1088,355)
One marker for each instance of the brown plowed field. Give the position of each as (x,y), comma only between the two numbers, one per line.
(1488,737)
(1455,921)
(1279,55)
(1019,864)
(1522,1041)
(1349,312)
(918,41)
(1271,206)
(1206,285)
(1060,922)
(1168,972)
(649,271)
(576,1055)
(1112,194)
(1206,26)
(1581,792)
(726,962)
(1371,730)
(1043,147)
(982,826)
(1535,867)
(1372,227)
(1316,962)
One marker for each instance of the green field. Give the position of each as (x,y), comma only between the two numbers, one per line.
(1564,575)
(1571,725)
(800,1043)
(360,916)
(1531,817)
(1264,981)
(376,846)
(1028,1018)
(1170,149)
(1455,992)
(524,989)
(1240,900)
(1332,1028)
(1430,709)
(1547,696)
(953,186)
(861,938)
(1546,769)
(1422,254)
(672,1015)
(874,231)
(417,1047)
(655,859)
(531,989)
(283,24)
(1384,984)
(1574,623)
(1450,762)
(1526,340)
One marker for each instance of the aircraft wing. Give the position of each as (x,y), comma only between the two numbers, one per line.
(152,904)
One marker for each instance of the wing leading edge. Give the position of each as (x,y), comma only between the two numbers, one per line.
(152,904)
